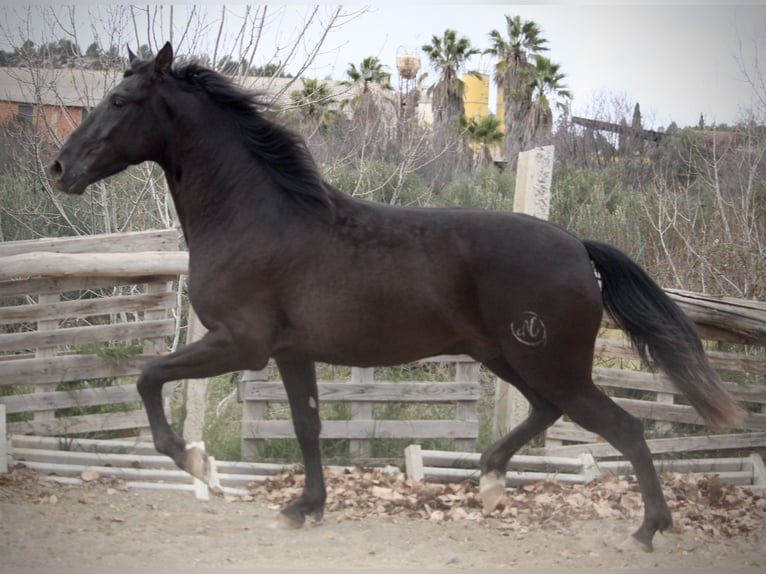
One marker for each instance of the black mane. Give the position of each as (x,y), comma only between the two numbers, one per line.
(282,152)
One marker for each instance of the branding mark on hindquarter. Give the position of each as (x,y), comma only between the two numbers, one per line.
(529,330)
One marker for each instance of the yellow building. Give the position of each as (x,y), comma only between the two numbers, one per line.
(476,98)
(476,95)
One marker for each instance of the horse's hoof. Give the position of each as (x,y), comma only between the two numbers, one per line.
(642,542)
(289,521)
(316,516)
(491,490)
(197,463)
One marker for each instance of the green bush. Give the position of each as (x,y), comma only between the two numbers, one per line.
(488,188)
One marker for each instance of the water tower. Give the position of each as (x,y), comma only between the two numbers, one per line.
(408,66)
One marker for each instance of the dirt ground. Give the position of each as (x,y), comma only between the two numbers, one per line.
(106,524)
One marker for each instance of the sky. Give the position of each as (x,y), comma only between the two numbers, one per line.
(677,60)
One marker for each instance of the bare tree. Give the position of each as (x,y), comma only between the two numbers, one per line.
(139,198)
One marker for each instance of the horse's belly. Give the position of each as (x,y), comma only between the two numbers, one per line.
(392,337)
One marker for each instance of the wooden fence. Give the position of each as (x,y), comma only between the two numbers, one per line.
(52,326)
(362,392)
(734,334)
(75,315)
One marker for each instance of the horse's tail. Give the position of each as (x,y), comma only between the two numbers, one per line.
(658,329)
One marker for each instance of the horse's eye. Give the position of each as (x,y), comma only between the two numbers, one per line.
(118,102)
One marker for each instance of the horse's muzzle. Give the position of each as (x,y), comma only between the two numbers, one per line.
(64,181)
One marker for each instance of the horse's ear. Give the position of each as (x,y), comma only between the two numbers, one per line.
(131,56)
(164,59)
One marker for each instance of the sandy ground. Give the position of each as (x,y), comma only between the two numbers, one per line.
(105,525)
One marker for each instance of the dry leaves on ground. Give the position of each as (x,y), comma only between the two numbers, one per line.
(703,503)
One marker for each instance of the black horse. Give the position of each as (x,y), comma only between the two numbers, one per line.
(282,265)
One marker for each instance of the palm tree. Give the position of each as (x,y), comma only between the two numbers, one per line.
(314,101)
(545,81)
(484,132)
(522,40)
(448,55)
(370,71)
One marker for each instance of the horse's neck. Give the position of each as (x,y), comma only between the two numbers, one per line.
(213,196)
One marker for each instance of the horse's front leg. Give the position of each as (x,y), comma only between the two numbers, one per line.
(212,355)
(299,378)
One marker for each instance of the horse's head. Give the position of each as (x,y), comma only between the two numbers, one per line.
(124,129)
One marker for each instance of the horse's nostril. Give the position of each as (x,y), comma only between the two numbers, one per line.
(56,169)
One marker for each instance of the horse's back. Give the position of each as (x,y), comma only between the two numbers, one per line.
(482,279)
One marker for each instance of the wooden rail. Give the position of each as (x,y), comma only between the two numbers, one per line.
(734,335)
(52,324)
(443,466)
(42,329)
(258,393)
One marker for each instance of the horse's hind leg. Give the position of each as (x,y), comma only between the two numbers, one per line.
(593,410)
(299,378)
(210,356)
(494,460)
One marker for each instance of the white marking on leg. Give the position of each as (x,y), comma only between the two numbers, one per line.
(491,490)
(313,403)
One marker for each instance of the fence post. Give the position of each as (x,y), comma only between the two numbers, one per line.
(195,389)
(252,449)
(3,442)
(158,346)
(466,410)
(46,352)
(361,448)
(534,173)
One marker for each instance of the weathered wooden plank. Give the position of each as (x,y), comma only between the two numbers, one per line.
(3,442)
(629,379)
(153,240)
(89,334)
(759,470)
(518,462)
(83,458)
(128,474)
(680,413)
(512,478)
(689,465)
(448,359)
(413,462)
(87,307)
(734,477)
(732,361)
(361,411)
(134,264)
(73,398)
(467,410)
(742,317)
(271,429)
(725,361)
(135,445)
(659,383)
(21,287)
(120,452)
(82,424)
(68,368)
(45,328)
(371,392)
(615,349)
(570,432)
(740,441)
